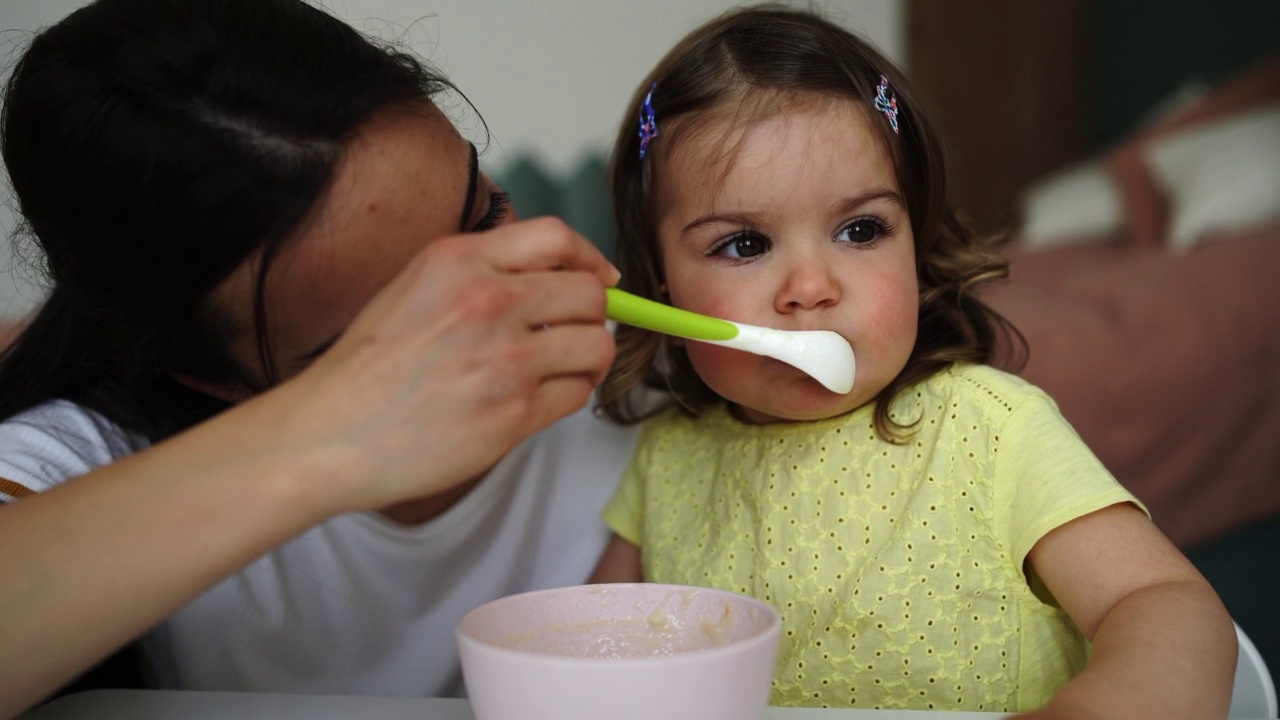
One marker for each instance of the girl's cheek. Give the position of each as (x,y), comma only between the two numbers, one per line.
(717,366)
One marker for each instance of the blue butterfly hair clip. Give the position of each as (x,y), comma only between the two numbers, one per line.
(885,103)
(648,124)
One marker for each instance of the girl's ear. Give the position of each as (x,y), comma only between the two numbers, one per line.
(233,393)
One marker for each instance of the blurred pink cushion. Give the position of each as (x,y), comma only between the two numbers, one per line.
(1146,203)
(1209,165)
(1168,365)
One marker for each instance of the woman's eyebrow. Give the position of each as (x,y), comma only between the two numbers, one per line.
(469,204)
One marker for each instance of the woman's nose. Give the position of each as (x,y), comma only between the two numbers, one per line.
(808,285)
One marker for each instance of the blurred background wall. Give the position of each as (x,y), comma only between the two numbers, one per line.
(549,76)
(1022,88)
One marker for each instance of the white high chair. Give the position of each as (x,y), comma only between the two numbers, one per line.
(1253,695)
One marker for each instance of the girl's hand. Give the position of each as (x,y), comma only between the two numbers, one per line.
(482,340)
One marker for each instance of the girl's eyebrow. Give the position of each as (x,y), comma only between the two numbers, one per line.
(730,218)
(469,204)
(857,201)
(843,206)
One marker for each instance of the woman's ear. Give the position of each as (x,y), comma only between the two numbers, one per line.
(230,392)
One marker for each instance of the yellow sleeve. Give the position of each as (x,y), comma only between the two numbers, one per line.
(624,513)
(1045,476)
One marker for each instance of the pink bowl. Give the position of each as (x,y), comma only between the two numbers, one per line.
(623,652)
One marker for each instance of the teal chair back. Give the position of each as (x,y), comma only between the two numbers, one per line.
(580,196)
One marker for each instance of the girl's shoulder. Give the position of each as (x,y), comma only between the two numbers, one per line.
(969,388)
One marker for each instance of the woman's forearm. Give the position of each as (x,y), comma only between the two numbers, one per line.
(94,563)
(455,362)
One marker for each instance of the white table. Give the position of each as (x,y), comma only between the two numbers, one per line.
(171,705)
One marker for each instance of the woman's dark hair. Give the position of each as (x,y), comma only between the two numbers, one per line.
(747,65)
(153,146)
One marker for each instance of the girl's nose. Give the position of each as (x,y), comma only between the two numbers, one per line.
(808,285)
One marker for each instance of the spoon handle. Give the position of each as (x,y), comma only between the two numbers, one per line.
(634,310)
(822,354)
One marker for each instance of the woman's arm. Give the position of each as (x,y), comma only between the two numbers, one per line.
(483,340)
(107,555)
(1163,644)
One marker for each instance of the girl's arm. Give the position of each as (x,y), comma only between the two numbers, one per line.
(1163,644)
(620,563)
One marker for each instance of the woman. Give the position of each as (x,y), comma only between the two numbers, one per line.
(273,415)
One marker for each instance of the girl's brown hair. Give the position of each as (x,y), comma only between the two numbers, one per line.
(728,65)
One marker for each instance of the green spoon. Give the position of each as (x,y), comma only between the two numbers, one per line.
(821,354)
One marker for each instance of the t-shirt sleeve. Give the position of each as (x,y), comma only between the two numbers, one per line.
(1045,476)
(624,513)
(44,447)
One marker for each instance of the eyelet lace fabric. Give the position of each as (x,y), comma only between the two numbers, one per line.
(897,568)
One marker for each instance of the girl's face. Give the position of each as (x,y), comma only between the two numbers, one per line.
(407,179)
(799,226)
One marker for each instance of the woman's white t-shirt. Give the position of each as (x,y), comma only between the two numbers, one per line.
(360,604)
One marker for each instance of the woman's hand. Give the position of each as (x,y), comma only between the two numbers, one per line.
(482,340)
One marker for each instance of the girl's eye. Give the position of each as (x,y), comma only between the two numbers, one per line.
(863,231)
(499,206)
(742,245)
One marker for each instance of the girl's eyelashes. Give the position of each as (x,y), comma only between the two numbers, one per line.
(864,231)
(499,206)
(742,245)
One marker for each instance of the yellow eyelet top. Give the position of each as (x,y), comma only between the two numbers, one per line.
(897,568)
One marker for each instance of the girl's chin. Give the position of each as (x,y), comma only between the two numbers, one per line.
(785,415)
(790,396)
(798,407)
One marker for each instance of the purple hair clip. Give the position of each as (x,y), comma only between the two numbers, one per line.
(885,103)
(648,124)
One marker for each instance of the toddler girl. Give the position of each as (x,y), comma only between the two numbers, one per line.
(937,538)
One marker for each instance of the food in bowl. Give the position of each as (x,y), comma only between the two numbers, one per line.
(669,628)
(623,651)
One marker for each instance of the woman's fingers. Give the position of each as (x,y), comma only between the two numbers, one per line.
(545,244)
(557,297)
(482,340)
(548,374)
(539,272)
(491,279)
(561,350)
